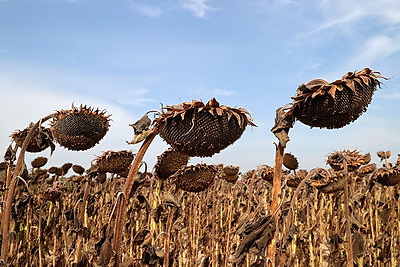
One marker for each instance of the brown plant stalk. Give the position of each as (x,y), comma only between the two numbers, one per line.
(5,220)
(289,216)
(276,196)
(349,239)
(122,207)
(82,213)
(167,238)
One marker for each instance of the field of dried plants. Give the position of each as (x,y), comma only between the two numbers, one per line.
(120,212)
(229,224)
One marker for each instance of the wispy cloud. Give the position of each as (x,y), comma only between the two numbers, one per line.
(273,3)
(198,7)
(391,96)
(377,48)
(146,10)
(336,22)
(136,97)
(210,92)
(340,15)
(224,92)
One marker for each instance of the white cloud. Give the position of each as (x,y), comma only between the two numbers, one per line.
(198,7)
(146,10)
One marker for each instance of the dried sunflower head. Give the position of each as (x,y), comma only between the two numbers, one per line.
(55,170)
(230,173)
(295,179)
(195,178)
(202,130)
(41,140)
(114,162)
(366,169)
(169,162)
(336,104)
(39,162)
(290,161)
(267,173)
(328,182)
(387,176)
(66,166)
(383,155)
(78,169)
(353,158)
(79,128)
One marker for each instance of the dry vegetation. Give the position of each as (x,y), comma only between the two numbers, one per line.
(229,224)
(119,213)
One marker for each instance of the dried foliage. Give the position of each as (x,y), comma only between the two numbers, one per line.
(228,224)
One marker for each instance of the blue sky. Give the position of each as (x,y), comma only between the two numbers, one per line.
(129,56)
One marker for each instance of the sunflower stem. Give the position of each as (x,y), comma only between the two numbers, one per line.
(82,215)
(127,191)
(349,238)
(5,220)
(276,196)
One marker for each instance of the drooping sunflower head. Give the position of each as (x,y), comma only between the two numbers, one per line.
(294,179)
(117,162)
(387,176)
(195,178)
(328,182)
(267,173)
(290,161)
(41,139)
(353,158)
(38,162)
(229,173)
(199,129)
(383,155)
(319,103)
(366,169)
(169,162)
(79,128)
